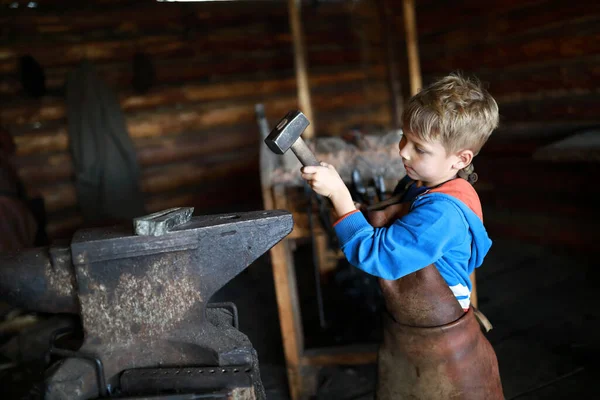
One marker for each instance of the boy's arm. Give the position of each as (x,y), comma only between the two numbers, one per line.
(410,243)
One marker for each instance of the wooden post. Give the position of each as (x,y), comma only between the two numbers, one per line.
(284,276)
(300,66)
(412,46)
(392,65)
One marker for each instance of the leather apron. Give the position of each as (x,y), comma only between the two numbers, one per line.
(431,348)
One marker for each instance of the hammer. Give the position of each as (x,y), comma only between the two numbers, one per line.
(286,135)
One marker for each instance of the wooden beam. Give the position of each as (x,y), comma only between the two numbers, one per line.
(300,66)
(175,122)
(51,109)
(562,43)
(412,46)
(286,291)
(397,103)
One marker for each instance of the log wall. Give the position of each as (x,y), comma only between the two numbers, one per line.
(194,131)
(540,59)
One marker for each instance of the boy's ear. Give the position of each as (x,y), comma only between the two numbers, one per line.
(464,159)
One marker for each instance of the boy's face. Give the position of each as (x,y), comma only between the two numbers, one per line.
(428,162)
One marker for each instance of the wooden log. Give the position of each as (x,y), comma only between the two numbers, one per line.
(545,80)
(63,227)
(104,14)
(561,232)
(572,108)
(412,46)
(522,174)
(207,199)
(205,67)
(397,104)
(167,178)
(154,18)
(237,193)
(567,43)
(300,66)
(286,291)
(164,46)
(55,109)
(437,17)
(173,122)
(505,24)
(59,196)
(547,202)
(56,167)
(47,168)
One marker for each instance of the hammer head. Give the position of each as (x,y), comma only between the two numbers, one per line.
(287,131)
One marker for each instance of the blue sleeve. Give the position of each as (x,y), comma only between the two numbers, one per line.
(412,242)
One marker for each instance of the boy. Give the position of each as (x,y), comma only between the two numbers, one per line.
(432,346)
(445,126)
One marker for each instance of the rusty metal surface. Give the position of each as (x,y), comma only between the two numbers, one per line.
(144,299)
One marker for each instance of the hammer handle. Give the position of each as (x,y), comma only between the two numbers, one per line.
(304,154)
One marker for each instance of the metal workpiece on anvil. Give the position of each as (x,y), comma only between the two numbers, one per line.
(143,298)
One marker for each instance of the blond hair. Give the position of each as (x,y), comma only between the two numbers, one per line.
(457,111)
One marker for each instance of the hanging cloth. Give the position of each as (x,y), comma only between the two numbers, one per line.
(104,160)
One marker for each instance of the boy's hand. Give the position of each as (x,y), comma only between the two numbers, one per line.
(326,181)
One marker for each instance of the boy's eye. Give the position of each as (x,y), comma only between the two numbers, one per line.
(420,150)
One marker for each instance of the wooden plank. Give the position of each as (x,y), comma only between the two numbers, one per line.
(173,122)
(397,104)
(539,80)
(163,46)
(573,204)
(150,17)
(561,44)
(564,233)
(522,174)
(300,66)
(287,304)
(49,109)
(168,177)
(204,67)
(531,19)
(576,108)
(52,167)
(58,196)
(213,197)
(207,199)
(437,17)
(412,46)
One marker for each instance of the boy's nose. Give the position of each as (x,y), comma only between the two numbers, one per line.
(403,153)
